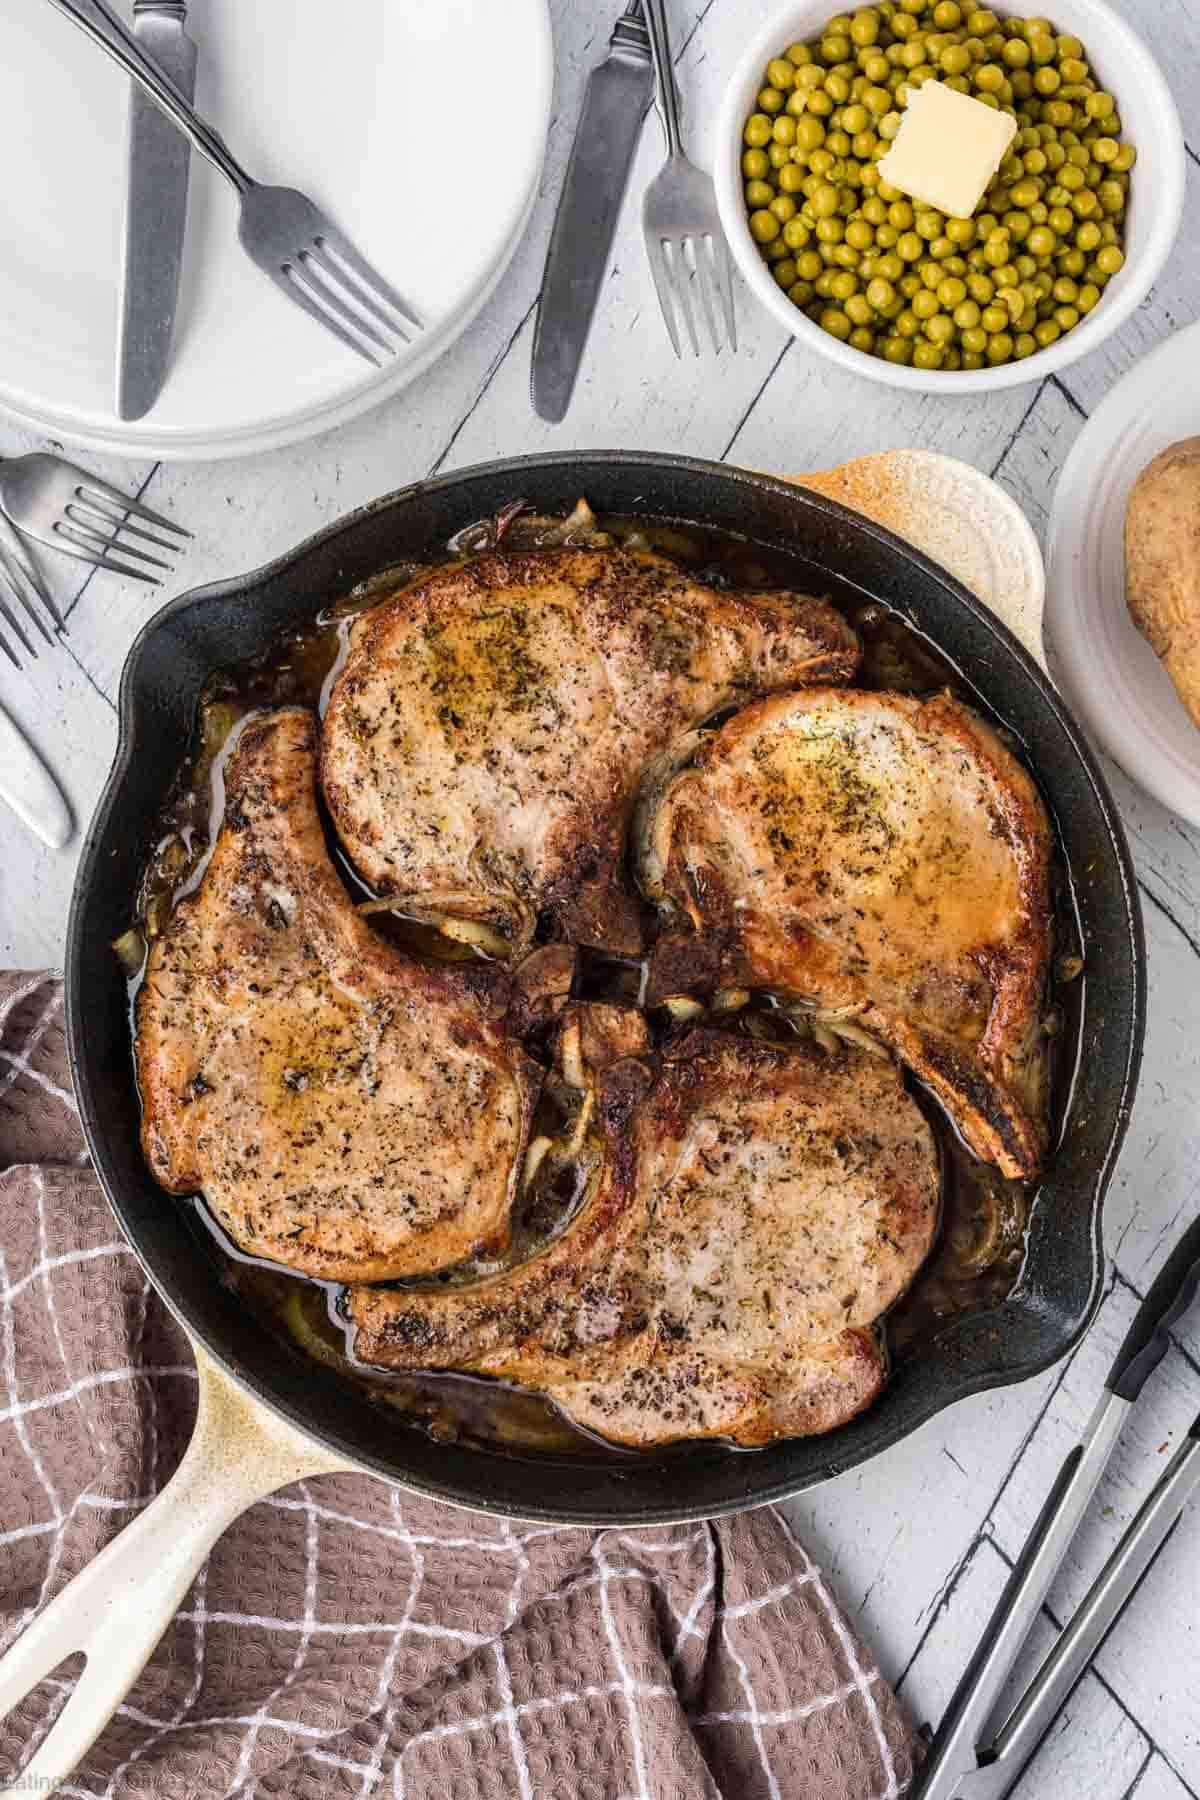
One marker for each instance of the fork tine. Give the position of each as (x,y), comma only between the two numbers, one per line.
(128,503)
(8,651)
(10,618)
(64,537)
(723,275)
(699,249)
(349,287)
(86,510)
(290,280)
(23,574)
(336,300)
(341,247)
(81,532)
(662,282)
(680,282)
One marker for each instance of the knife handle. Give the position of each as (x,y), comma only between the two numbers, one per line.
(105,28)
(1172,1293)
(630,33)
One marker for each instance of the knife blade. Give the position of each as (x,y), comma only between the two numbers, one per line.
(29,788)
(615,104)
(155,212)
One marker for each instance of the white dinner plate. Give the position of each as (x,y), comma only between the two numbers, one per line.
(420,125)
(1107,669)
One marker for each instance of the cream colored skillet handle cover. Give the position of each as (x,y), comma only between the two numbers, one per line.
(116,1610)
(30,789)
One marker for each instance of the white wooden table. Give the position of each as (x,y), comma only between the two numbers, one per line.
(919,1542)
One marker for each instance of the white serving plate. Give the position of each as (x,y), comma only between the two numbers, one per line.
(1107,669)
(420,126)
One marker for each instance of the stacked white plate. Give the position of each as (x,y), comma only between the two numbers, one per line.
(420,125)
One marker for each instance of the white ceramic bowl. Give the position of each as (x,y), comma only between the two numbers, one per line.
(1149,119)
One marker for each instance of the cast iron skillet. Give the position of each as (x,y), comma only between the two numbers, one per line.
(231,620)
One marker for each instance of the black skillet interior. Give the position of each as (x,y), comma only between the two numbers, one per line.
(232,620)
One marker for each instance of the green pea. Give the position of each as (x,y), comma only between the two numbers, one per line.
(1000,347)
(798,54)
(809,265)
(1016,53)
(881,294)
(955,59)
(791,178)
(939,329)
(1111,197)
(759,193)
(843,285)
(1042,241)
(886,236)
(1125,158)
(951,292)
(1088,237)
(909,246)
(764,226)
(835,322)
(1089,294)
(924,304)
(835,48)
(1110,260)
(857,309)
(989,78)
(1100,105)
(980,288)
(974,340)
(830,231)
(778,155)
(927,356)
(800,293)
(961,231)
(897,350)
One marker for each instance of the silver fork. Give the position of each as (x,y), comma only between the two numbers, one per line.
(684,241)
(280,229)
(71,510)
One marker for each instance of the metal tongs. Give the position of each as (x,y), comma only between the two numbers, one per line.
(969,1761)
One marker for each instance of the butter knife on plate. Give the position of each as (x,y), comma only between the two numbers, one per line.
(614,108)
(155,212)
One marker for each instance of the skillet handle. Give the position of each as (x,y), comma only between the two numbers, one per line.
(117,1608)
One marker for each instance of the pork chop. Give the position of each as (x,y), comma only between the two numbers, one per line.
(884,857)
(753,1210)
(345,1110)
(483,742)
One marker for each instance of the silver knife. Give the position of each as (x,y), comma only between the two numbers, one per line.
(614,108)
(30,789)
(155,212)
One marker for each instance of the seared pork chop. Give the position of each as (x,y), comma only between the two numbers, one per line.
(884,857)
(484,741)
(754,1210)
(345,1110)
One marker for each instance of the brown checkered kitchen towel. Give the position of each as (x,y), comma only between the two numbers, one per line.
(348,1639)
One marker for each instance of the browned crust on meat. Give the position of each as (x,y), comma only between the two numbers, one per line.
(502,663)
(993,1084)
(294,1066)
(635,1321)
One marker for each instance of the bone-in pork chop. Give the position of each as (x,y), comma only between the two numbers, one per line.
(484,741)
(755,1209)
(344,1109)
(886,857)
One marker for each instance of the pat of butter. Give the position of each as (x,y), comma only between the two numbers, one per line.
(947,149)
